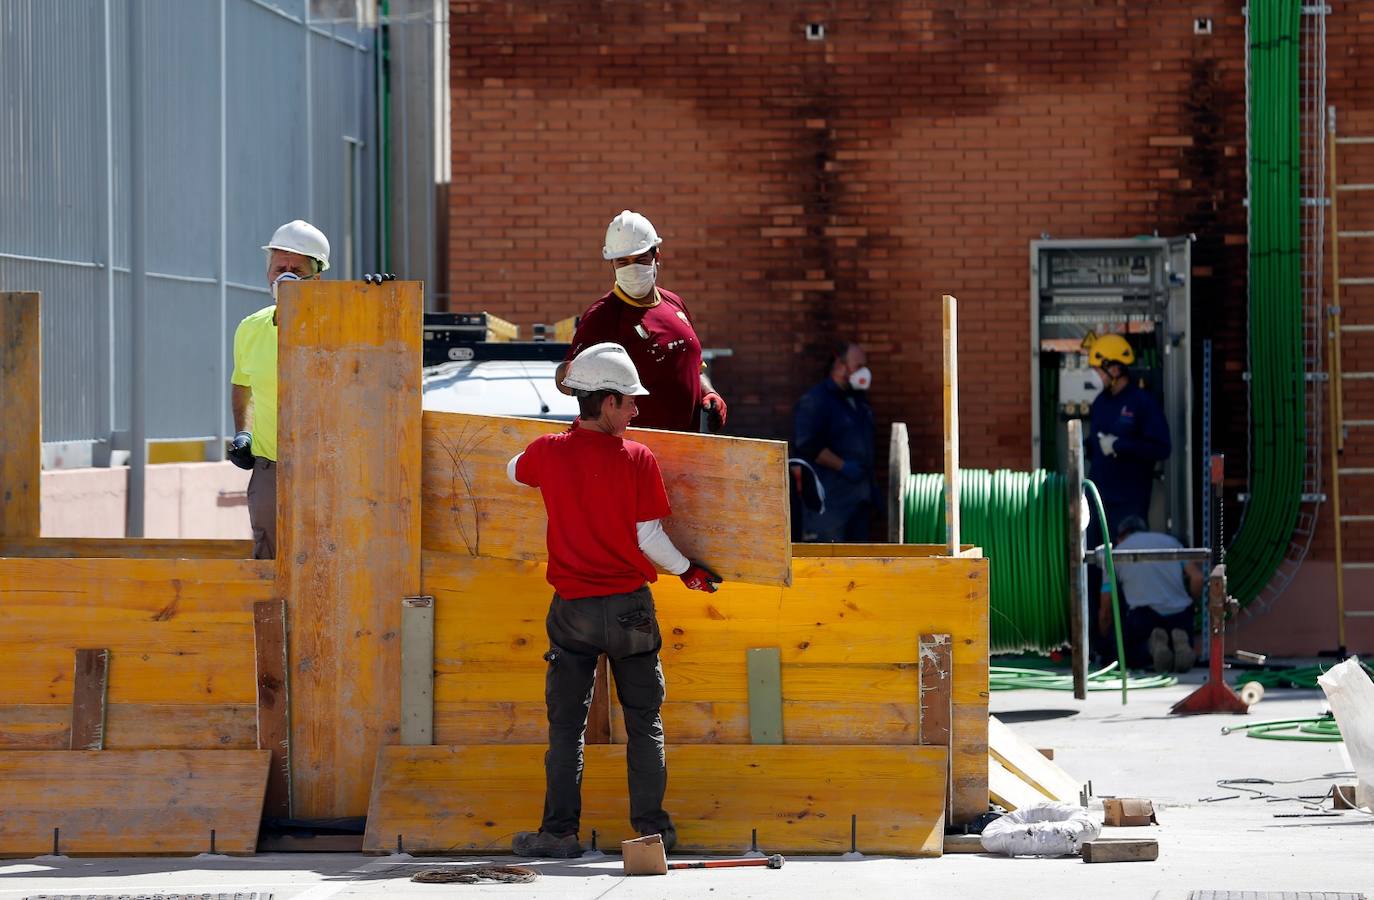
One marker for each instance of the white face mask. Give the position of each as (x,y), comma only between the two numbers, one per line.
(636,279)
(861,379)
(285,276)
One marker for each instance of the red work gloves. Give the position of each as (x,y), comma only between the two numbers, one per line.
(716,411)
(699,578)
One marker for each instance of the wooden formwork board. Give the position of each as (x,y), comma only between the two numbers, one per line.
(1030,765)
(125,548)
(180,638)
(21,411)
(799,798)
(847,632)
(348,514)
(122,802)
(729,495)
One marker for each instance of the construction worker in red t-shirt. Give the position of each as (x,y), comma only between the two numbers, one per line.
(654,325)
(605,500)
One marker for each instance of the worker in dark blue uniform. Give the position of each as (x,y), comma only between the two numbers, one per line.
(1127,436)
(833,432)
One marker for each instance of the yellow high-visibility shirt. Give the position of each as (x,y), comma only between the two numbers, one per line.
(255,367)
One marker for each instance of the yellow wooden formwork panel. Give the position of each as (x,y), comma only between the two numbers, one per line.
(120,802)
(134,726)
(474,798)
(848,630)
(874,551)
(729,495)
(126,548)
(21,411)
(348,514)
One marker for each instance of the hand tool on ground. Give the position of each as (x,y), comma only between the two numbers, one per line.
(772,862)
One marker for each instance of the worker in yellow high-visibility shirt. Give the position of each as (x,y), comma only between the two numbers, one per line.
(298,251)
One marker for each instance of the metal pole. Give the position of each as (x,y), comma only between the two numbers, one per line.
(1333,387)
(111,362)
(218,451)
(138,271)
(1078,572)
(309,122)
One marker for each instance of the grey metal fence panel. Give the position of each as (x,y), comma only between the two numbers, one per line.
(291,93)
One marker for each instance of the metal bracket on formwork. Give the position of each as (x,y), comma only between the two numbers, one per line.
(417,670)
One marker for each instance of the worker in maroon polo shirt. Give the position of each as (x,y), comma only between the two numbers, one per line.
(605,500)
(654,325)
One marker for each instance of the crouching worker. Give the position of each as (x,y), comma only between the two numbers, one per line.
(604,497)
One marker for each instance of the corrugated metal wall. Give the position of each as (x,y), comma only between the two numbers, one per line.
(257,113)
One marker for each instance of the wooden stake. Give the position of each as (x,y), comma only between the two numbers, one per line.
(89,688)
(274,729)
(898,470)
(951,392)
(21,411)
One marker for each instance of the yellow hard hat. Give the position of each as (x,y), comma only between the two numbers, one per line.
(1110,348)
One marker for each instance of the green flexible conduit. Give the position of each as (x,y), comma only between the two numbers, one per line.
(1277,417)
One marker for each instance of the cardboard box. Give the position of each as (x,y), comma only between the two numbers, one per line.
(1121,811)
(644,856)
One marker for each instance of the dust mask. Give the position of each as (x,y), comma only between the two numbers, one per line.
(861,379)
(636,279)
(285,276)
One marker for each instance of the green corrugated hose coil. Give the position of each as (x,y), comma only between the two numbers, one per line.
(1277,417)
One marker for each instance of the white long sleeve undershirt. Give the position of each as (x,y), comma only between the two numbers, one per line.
(653,540)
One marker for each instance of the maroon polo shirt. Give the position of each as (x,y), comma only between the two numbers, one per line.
(664,347)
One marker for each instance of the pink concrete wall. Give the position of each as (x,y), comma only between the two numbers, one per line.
(1303,621)
(184,500)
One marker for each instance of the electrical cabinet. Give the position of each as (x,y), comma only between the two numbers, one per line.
(1135,287)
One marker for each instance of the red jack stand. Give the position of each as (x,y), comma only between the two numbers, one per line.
(1215,696)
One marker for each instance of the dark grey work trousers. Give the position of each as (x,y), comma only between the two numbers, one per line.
(262,508)
(625,628)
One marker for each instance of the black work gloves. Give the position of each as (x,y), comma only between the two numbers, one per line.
(241,450)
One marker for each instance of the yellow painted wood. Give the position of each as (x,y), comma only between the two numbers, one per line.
(1008,790)
(1030,765)
(21,412)
(122,802)
(134,726)
(950,316)
(848,629)
(126,548)
(874,551)
(348,494)
(800,798)
(729,495)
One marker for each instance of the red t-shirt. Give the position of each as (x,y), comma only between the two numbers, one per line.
(664,348)
(596,487)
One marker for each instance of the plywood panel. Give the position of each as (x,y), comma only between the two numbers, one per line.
(21,411)
(729,495)
(134,726)
(799,798)
(148,801)
(1029,764)
(348,494)
(126,548)
(848,630)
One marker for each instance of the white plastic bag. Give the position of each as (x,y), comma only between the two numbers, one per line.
(1351,696)
(1044,829)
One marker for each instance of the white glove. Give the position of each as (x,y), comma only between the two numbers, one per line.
(1108,444)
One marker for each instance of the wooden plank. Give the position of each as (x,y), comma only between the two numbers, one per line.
(348,514)
(134,726)
(1029,764)
(963,843)
(799,798)
(937,709)
(274,702)
(1008,790)
(898,471)
(21,411)
(876,551)
(1120,850)
(599,716)
(417,670)
(854,615)
(950,315)
(126,548)
(765,695)
(89,684)
(729,495)
(167,801)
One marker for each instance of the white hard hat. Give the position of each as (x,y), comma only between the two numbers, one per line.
(629,234)
(299,236)
(604,367)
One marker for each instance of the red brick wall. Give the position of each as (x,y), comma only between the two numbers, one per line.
(808,190)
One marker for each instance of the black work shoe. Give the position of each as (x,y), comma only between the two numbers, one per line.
(542,845)
(669,836)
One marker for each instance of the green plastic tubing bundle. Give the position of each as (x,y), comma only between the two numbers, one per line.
(1020,521)
(1317,728)
(1007,678)
(1277,417)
